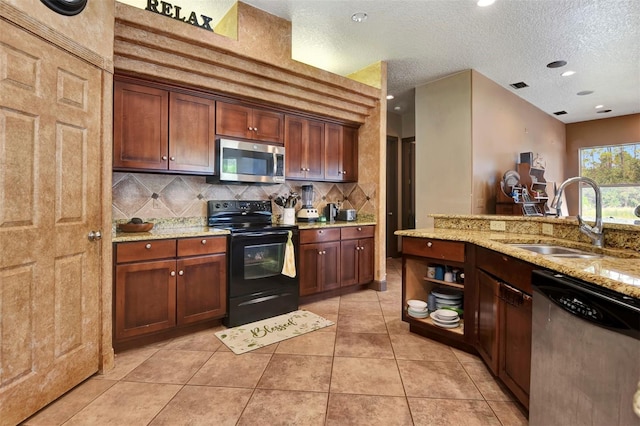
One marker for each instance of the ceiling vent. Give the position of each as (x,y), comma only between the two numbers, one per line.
(519,85)
(603,111)
(560,113)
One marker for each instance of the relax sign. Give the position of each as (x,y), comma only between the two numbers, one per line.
(175,12)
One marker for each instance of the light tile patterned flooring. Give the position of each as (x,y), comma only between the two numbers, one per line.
(365,370)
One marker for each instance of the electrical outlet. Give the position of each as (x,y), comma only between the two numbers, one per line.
(497,225)
(547,229)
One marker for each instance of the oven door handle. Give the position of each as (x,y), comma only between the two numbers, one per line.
(262,234)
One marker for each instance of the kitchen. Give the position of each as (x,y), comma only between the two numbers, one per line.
(370,131)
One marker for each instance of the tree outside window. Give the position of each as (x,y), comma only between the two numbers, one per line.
(616,169)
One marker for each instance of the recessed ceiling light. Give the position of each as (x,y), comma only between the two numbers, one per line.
(484,3)
(556,64)
(396,108)
(584,92)
(567,73)
(599,106)
(359,17)
(389,97)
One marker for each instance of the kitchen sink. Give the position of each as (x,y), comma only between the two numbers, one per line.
(557,251)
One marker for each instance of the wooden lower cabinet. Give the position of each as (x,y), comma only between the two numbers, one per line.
(356,255)
(162,284)
(319,267)
(487,319)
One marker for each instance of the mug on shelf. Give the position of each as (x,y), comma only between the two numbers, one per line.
(431,271)
(439,273)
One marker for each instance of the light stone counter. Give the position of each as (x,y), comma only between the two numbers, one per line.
(618,269)
(165,233)
(335,224)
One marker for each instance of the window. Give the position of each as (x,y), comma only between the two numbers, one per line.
(616,169)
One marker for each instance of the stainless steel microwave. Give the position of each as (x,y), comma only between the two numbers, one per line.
(239,161)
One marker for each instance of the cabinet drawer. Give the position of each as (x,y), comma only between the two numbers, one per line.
(201,245)
(354,232)
(145,250)
(437,249)
(508,269)
(319,235)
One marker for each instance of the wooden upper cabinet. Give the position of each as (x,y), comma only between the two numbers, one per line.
(341,153)
(240,121)
(140,127)
(161,130)
(191,133)
(304,144)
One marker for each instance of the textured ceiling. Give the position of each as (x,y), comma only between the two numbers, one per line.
(511,41)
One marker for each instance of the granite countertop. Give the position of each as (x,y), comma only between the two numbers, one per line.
(335,224)
(617,269)
(164,233)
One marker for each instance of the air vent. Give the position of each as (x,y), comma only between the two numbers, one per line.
(519,85)
(556,64)
(604,111)
(560,113)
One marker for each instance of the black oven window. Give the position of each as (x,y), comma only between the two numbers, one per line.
(264,260)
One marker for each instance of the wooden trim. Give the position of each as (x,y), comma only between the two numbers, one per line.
(29,23)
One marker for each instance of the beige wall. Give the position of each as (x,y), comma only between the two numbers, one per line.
(443,148)
(504,125)
(92,28)
(606,131)
(394,125)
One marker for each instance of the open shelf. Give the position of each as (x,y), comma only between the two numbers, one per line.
(428,321)
(448,283)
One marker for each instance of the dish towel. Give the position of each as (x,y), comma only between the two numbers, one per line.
(289,265)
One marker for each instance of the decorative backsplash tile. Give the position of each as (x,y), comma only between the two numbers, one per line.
(174,196)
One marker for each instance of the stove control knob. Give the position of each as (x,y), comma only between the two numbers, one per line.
(217,205)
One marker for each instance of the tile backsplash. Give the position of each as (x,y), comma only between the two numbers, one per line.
(174,196)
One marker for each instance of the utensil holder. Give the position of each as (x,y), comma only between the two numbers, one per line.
(289,216)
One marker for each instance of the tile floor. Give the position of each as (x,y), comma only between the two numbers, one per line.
(367,369)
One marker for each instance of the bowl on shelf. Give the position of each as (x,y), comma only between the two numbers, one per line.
(135,227)
(417,305)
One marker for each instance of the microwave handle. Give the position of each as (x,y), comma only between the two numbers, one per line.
(275,164)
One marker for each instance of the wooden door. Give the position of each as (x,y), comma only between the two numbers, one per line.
(408,183)
(50,278)
(294,147)
(191,133)
(349,250)
(392,197)
(267,126)
(330,268)
(365,261)
(349,154)
(487,319)
(333,152)
(201,288)
(140,127)
(314,152)
(233,120)
(309,269)
(145,298)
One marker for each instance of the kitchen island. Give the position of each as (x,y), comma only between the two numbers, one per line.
(497,290)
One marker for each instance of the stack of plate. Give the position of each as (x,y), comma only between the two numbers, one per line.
(417,308)
(445,318)
(448,297)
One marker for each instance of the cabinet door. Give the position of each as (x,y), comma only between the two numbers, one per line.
(233,120)
(487,319)
(145,298)
(140,127)
(349,154)
(315,150)
(294,147)
(330,268)
(349,251)
(515,345)
(268,126)
(201,288)
(309,269)
(365,261)
(333,152)
(191,133)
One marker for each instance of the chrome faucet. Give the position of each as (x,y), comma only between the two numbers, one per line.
(595,232)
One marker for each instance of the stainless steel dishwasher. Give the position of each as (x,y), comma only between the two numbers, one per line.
(585,356)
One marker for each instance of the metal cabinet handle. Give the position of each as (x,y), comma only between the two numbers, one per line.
(255,129)
(204,241)
(95,236)
(164,157)
(148,246)
(173,273)
(320,232)
(172,158)
(429,244)
(344,172)
(250,128)
(181,273)
(359,228)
